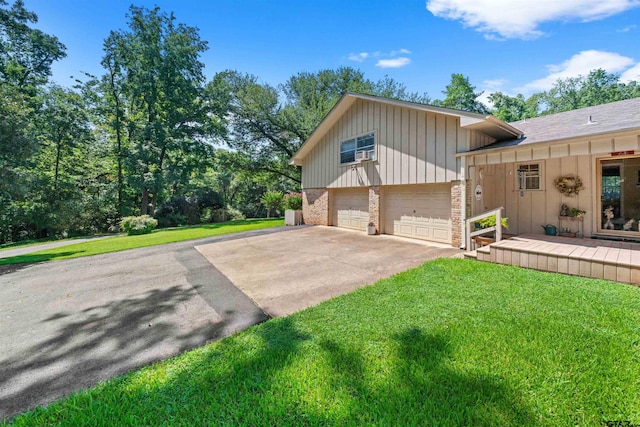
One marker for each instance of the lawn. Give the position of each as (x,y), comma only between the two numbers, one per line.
(453,342)
(158,237)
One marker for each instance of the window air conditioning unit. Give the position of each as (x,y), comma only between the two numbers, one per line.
(362,156)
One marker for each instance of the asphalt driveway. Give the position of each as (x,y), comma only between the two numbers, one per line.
(287,272)
(66,325)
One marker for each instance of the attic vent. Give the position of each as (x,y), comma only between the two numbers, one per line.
(590,120)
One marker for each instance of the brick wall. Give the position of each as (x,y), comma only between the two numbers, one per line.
(456,213)
(315,206)
(374,207)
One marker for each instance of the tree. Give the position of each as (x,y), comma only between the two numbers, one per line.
(26,55)
(269,124)
(508,108)
(273,201)
(460,95)
(154,87)
(598,87)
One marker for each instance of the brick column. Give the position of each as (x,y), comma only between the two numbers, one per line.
(374,207)
(315,206)
(456,213)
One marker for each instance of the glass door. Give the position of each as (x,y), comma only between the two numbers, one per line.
(619,199)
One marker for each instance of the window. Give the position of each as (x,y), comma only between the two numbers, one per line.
(529,177)
(350,147)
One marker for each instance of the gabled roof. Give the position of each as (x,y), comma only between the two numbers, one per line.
(486,124)
(590,121)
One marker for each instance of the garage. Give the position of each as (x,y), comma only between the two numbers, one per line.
(418,211)
(350,208)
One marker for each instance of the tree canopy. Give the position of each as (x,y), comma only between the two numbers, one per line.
(151,135)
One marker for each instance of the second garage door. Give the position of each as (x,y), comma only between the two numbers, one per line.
(350,208)
(418,211)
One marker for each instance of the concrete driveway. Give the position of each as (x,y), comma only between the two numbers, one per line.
(287,272)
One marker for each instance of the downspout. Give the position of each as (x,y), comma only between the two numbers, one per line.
(463,208)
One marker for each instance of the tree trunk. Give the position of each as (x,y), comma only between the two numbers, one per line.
(58,155)
(144,204)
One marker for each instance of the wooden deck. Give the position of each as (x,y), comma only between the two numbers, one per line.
(600,259)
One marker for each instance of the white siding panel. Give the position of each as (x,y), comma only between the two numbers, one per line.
(508,157)
(441,149)
(451,143)
(602,146)
(431,147)
(559,150)
(579,148)
(626,143)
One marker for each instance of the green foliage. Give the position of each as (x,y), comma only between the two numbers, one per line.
(134,225)
(460,95)
(490,221)
(234,214)
(598,87)
(273,201)
(293,201)
(453,342)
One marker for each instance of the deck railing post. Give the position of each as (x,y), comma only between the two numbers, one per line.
(498,224)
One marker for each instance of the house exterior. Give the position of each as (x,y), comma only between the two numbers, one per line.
(418,171)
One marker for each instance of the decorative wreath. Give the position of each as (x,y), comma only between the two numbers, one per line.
(569,185)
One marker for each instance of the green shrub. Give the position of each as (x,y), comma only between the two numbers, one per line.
(133,225)
(234,214)
(272,201)
(490,221)
(293,201)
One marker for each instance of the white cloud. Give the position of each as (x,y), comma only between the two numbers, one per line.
(400,52)
(358,57)
(521,18)
(393,63)
(580,64)
(627,28)
(632,73)
(385,59)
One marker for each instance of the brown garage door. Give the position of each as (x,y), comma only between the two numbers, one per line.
(418,211)
(350,208)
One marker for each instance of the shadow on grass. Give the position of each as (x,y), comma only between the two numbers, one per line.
(31,259)
(423,389)
(239,382)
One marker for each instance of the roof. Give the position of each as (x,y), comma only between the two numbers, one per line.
(590,121)
(480,122)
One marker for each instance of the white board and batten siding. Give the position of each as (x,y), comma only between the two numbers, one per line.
(412,147)
(528,210)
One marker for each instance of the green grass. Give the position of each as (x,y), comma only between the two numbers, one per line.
(453,342)
(158,237)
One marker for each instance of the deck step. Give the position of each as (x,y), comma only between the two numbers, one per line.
(599,259)
(471,255)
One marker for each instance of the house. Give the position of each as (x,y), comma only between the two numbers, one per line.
(418,171)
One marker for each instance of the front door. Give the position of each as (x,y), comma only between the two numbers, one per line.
(619,201)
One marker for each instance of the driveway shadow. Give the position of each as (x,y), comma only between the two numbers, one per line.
(98,343)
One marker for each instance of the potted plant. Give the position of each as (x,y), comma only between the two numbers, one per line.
(371,229)
(293,209)
(577,213)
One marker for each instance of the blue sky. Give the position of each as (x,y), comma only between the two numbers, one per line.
(508,45)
